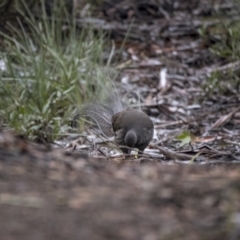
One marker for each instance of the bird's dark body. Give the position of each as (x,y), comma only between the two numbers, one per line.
(131,128)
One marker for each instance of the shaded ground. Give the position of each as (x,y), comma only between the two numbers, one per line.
(53,194)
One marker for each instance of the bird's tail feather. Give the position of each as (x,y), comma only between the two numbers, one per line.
(100,114)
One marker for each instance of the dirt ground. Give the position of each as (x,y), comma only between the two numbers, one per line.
(54,195)
(183,192)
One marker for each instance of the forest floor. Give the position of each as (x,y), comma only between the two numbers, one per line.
(173,60)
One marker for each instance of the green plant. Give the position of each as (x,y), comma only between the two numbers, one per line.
(226,47)
(51,66)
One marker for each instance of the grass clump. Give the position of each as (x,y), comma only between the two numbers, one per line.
(227,49)
(48,66)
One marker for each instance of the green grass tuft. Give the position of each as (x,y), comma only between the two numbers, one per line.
(51,67)
(226,35)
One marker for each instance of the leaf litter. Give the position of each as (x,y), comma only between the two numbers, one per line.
(185,187)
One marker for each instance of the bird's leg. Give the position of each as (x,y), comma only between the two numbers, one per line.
(136,153)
